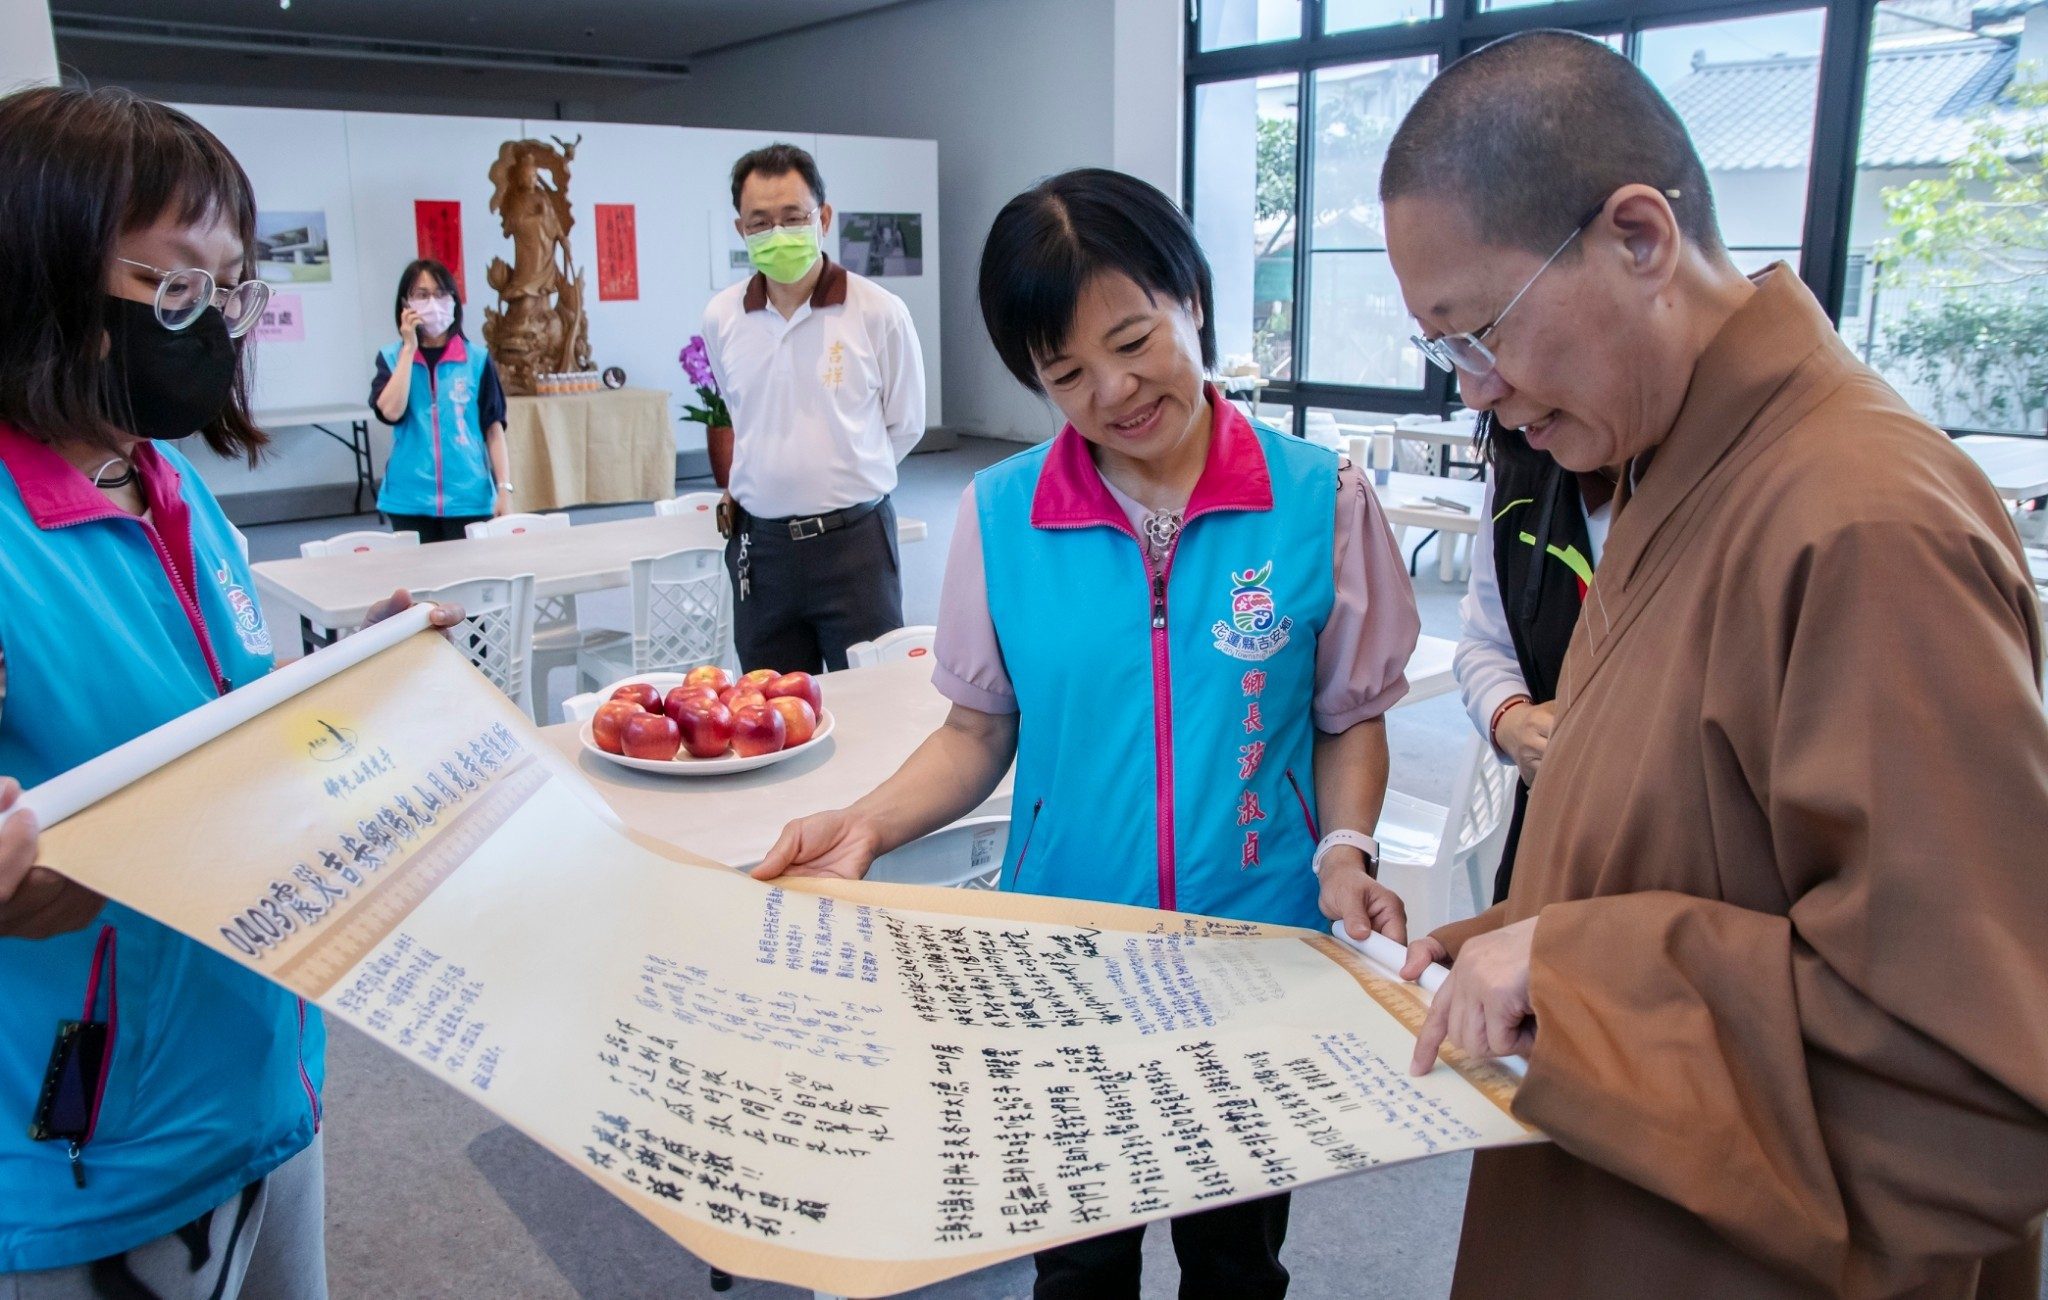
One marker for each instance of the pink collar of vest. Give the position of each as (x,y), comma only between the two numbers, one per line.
(1071,492)
(57,494)
(457,351)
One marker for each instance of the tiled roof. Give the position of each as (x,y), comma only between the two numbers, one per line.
(1920,105)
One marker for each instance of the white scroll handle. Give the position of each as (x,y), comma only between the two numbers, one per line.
(93,780)
(1390,956)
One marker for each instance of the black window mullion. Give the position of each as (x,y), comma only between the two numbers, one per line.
(1837,127)
(1313,22)
(1304,218)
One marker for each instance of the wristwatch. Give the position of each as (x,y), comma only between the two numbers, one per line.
(504,487)
(1359,840)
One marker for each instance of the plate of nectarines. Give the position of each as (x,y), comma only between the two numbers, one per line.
(703,723)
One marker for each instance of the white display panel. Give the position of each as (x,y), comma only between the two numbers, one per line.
(878,174)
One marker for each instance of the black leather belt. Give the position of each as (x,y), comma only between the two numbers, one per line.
(804,528)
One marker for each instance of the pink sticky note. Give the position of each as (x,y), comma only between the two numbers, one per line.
(284,319)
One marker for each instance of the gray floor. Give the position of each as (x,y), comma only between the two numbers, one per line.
(430,1196)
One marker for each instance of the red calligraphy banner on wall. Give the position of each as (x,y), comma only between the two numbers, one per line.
(438,224)
(618,257)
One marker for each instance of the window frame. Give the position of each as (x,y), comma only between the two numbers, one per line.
(1463,26)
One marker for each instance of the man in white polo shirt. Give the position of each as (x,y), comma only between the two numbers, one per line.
(822,372)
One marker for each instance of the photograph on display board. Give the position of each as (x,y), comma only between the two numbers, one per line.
(882,243)
(291,248)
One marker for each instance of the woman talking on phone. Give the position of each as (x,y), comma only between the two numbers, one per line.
(441,395)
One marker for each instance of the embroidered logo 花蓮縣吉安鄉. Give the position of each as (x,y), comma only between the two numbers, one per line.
(1256,629)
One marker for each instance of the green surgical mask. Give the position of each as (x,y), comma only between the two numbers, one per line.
(785,254)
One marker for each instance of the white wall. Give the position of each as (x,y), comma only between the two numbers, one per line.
(1012,91)
(28,55)
(1147,136)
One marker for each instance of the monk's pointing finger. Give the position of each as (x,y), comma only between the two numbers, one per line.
(1431,1036)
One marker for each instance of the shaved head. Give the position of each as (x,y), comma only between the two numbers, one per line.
(1532,132)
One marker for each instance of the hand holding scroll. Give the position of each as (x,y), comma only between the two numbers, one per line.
(444,616)
(841,843)
(35,902)
(1349,894)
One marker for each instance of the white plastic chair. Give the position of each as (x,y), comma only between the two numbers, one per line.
(1418,858)
(904,643)
(682,617)
(356,543)
(688,502)
(515,525)
(496,633)
(558,631)
(1320,428)
(966,855)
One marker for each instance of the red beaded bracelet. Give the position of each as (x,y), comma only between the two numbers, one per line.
(1493,727)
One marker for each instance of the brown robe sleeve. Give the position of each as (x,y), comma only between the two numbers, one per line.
(1854,1091)
(1454,935)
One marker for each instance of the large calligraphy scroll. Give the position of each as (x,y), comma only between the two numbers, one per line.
(855,1087)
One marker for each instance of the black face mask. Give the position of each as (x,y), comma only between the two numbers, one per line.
(176,382)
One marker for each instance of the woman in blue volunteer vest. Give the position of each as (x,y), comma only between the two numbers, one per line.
(442,396)
(172,1149)
(1184,628)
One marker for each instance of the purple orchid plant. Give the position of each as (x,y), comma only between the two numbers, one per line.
(696,363)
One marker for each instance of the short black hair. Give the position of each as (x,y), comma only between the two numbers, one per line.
(79,169)
(778,160)
(442,276)
(1530,133)
(1051,240)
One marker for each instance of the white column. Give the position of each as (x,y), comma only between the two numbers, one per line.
(28,53)
(1146,105)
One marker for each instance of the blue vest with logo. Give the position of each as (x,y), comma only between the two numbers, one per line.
(439,465)
(214,1073)
(1166,742)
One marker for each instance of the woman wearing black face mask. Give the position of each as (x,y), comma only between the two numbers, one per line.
(172,1148)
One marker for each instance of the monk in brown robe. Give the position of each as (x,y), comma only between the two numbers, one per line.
(1776,946)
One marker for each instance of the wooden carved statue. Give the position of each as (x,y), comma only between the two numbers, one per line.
(538,326)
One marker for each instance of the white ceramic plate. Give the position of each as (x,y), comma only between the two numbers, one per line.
(687,766)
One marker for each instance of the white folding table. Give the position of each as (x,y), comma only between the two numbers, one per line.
(2017,467)
(357,418)
(1406,501)
(338,590)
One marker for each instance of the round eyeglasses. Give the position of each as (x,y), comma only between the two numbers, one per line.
(183,294)
(1468,351)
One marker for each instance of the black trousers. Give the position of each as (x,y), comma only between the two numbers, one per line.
(434,528)
(805,601)
(1229,1253)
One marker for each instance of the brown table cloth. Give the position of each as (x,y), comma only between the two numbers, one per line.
(590,448)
